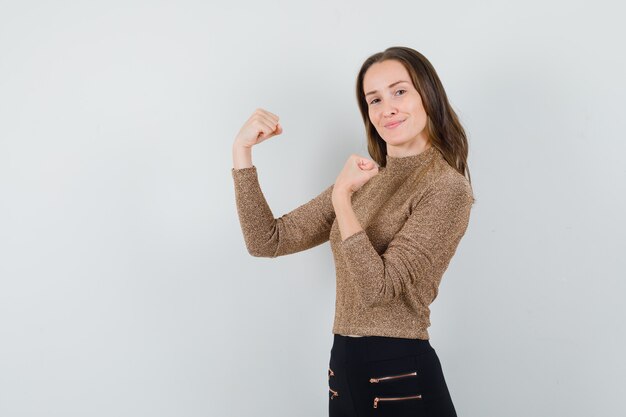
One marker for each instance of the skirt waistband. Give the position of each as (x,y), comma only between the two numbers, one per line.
(375,348)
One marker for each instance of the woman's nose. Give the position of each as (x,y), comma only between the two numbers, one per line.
(389,112)
(389,109)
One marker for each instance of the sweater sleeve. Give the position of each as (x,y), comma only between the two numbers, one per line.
(419,253)
(265,236)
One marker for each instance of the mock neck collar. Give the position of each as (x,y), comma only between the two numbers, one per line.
(405,163)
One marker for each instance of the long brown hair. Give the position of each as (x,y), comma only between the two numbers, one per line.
(444,129)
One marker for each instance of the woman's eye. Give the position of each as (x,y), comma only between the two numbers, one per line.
(372,102)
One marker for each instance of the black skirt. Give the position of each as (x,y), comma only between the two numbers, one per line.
(386,376)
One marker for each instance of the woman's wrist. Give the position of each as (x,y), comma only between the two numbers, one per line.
(242,157)
(341,195)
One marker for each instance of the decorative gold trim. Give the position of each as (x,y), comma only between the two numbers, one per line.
(377,399)
(376,380)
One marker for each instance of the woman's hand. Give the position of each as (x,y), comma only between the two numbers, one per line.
(355,173)
(261,125)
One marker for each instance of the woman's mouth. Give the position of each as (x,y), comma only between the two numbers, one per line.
(394,125)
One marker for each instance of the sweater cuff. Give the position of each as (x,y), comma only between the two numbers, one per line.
(355,240)
(243,171)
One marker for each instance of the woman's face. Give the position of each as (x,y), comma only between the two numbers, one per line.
(391,97)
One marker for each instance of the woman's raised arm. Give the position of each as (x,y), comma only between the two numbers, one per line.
(302,228)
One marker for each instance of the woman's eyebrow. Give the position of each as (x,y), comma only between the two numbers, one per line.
(390,85)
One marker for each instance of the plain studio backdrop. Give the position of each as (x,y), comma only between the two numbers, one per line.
(125,285)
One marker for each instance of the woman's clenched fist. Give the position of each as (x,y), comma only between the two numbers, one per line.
(261,125)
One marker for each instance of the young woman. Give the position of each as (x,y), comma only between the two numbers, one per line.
(394,222)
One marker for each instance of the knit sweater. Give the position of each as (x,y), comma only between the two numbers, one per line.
(413,214)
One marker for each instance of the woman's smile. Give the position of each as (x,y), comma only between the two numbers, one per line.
(394,125)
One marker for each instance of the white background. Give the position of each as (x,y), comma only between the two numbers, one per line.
(125,285)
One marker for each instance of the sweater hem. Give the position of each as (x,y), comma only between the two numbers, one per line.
(369,331)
